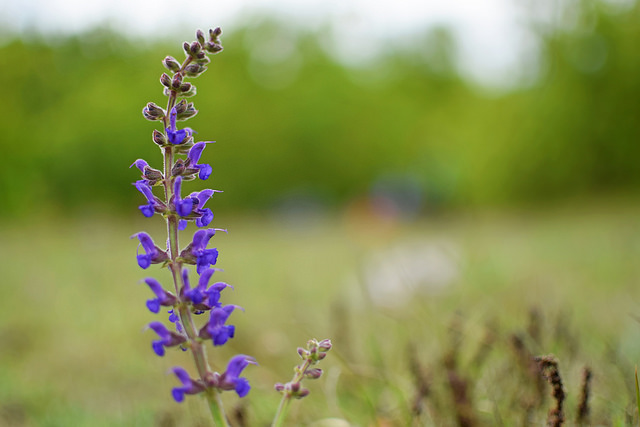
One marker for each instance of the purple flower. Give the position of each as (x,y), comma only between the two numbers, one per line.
(197,253)
(174,135)
(174,318)
(213,294)
(189,386)
(167,338)
(216,328)
(140,164)
(195,295)
(150,176)
(149,209)
(231,380)
(163,298)
(153,254)
(204,215)
(194,156)
(183,206)
(200,292)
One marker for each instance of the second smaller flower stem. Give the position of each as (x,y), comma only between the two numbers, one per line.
(283,408)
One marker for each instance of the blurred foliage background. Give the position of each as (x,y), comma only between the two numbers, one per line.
(306,130)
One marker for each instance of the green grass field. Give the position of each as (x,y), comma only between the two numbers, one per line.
(400,301)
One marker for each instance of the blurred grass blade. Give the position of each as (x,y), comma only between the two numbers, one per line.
(637,392)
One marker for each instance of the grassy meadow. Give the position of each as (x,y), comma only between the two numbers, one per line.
(408,305)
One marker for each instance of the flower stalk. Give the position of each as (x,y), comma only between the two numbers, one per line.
(186,304)
(314,353)
(183,302)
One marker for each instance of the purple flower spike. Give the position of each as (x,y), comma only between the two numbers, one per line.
(231,380)
(194,156)
(216,328)
(183,206)
(174,135)
(189,386)
(163,298)
(149,209)
(153,254)
(167,338)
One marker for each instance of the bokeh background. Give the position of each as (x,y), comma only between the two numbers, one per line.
(393,175)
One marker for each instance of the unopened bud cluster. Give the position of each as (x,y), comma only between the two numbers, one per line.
(314,353)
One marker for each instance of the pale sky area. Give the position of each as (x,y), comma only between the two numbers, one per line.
(491,36)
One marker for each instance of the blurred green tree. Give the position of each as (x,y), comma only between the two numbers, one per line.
(289,118)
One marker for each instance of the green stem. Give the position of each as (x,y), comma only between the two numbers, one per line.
(216,408)
(283,408)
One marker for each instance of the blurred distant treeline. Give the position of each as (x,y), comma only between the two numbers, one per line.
(292,123)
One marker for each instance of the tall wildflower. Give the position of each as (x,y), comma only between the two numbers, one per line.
(162,191)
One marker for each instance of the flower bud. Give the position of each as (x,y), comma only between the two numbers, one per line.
(190,92)
(165,80)
(171,64)
(214,34)
(178,168)
(189,112)
(303,353)
(152,112)
(159,138)
(181,106)
(201,55)
(313,373)
(186,47)
(204,60)
(302,393)
(313,348)
(185,87)
(200,36)
(213,47)
(176,81)
(194,70)
(195,48)
(279,387)
(325,345)
(152,175)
